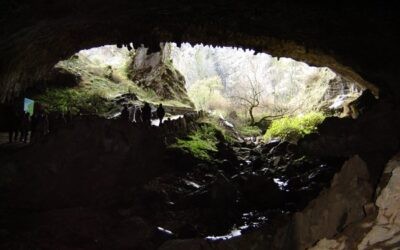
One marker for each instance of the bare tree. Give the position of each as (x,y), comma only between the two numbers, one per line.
(249,92)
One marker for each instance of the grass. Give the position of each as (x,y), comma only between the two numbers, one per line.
(247,130)
(75,100)
(96,89)
(200,143)
(294,128)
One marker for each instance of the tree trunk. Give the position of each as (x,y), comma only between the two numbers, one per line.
(251,115)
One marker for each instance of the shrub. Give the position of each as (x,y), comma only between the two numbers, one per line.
(294,128)
(200,143)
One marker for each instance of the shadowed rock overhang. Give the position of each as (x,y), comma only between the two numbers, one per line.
(357,41)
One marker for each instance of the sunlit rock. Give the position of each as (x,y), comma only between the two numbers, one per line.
(155,72)
(336,207)
(379,231)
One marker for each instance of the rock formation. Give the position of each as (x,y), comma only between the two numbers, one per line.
(155,72)
(336,207)
(381,228)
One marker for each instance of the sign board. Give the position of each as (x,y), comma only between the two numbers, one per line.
(29,105)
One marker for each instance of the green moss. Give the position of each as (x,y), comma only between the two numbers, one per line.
(249,130)
(294,128)
(200,143)
(228,135)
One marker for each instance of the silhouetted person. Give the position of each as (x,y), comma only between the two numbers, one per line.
(60,121)
(17,126)
(42,126)
(125,113)
(52,121)
(25,125)
(68,117)
(12,122)
(131,114)
(160,113)
(138,115)
(146,114)
(34,126)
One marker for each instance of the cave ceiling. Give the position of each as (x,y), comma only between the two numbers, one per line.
(357,41)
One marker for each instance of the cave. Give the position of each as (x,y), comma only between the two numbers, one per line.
(98,182)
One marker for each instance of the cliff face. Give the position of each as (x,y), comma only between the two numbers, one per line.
(155,72)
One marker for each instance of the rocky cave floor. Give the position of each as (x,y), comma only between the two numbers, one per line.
(245,187)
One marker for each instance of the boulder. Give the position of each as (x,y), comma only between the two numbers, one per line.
(130,233)
(381,229)
(375,130)
(335,208)
(262,191)
(190,244)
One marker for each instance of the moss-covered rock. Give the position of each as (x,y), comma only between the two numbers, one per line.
(294,128)
(201,143)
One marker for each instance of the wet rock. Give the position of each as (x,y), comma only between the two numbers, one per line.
(268,146)
(190,244)
(276,160)
(261,191)
(130,233)
(228,167)
(257,151)
(222,192)
(161,235)
(191,184)
(187,231)
(257,163)
(279,149)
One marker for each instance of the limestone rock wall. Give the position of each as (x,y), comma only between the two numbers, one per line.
(380,232)
(334,208)
(156,73)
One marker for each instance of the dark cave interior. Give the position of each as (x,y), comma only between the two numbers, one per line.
(101,183)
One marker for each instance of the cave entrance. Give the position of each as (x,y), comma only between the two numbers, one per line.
(227,173)
(246,90)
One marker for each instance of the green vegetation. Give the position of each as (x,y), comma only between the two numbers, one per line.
(200,143)
(75,100)
(206,94)
(227,134)
(246,130)
(294,128)
(100,83)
